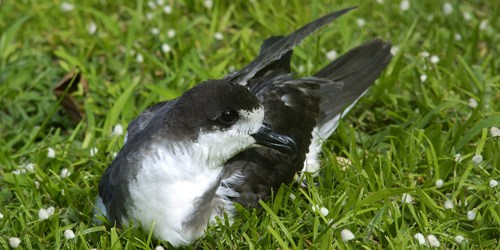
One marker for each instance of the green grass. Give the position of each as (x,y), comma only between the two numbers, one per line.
(400,138)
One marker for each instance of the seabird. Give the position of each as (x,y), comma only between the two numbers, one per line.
(186,161)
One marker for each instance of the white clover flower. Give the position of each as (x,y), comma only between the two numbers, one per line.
(448,204)
(467,16)
(166,48)
(423,77)
(69,234)
(420,238)
(471,215)
(433,241)
(16,172)
(1,216)
(404,5)
(458,37)
(159,248)
(51,153)
(43,214)
(407,198)
(159,2)
(494,132)
(30,167)
(346,235)
(171,33)
(118,129)
(218,36)
(67,7)
(458,157)
(424,54)
(493,183)
(447,8)
(477,159)
(331,55)
(394,50)
(139,58)
(167,9)
(14,242)
(208,4)
(324,211)
(155,31)
(292,197)
(93,151)
(64,173)
(92,28)
(434,59)
(439,183)
(459,239)
(472,103)
(361,22)
(483,25)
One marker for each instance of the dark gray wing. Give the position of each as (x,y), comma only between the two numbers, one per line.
(139,123)
(281,47)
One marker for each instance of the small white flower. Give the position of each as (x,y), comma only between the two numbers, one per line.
(477,159)
(51,153)
(315,208)
(149,15)
(424,54)
(65,173)
(448,204)
(458,37)
(301,68)
(421,239)
(434,59)
(407,198)
(292,197)
(433,241)
(423,77)
(218,36)
(155,31)
(16,172)
(30,167)
(166,48)
(324,211)
(93,151)
(159,248)
(1,216)
(459,239)
(43,214)
(467,16)
(458,157)
(361,22)
(494,132)
(471,215)
(67,7)
(493,183)
(404,5)
(92,28)
(151,4)
(171,33)
(139,58)
(167,9)
(439,183)
(464,204)
(50,210)
(69,234)
(483,25)
(346,235)
(380,1)
(472,103)
(394,50)
(208,4)
(447,8)
(14,242)
(37,184)
(118,129)
(159,2)
(331,55)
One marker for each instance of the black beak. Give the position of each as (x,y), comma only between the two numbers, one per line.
(266,137)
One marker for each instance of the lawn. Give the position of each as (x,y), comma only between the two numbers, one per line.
(416,162)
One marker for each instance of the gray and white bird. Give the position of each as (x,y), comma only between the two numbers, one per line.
(187,160)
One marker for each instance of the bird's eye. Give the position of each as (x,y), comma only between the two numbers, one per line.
(228,116)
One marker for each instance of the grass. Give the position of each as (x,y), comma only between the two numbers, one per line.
(401,138)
